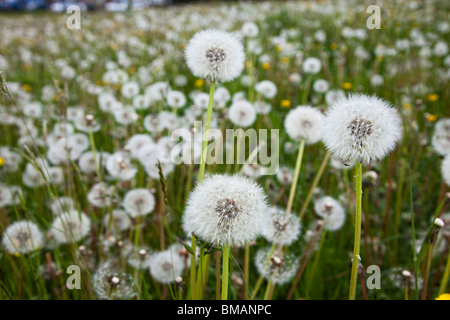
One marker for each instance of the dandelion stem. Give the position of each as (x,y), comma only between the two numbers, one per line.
(444,282)
(357,242)
(247,266)
(314,184)
(192,273)
(225,260)
(306,89)
(296,174)
(427,271)
(201,172)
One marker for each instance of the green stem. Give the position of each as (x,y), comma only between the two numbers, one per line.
(247,267)
(427,271)
(94,154)
(357,242)
(444,282)
(266,294)
(398,208)
(296,174)
(314,184)
(200,274)
(192,273)
(201,172)
(225,261)
(306,89)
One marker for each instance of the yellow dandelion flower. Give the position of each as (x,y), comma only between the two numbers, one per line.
(285,60)
(2,161)
(266,65)
(285,103)
(432,97)
(199,83)
(346,85)
(248,64)
(407,106)
(334,46)
(444,296)
(431,118)
(131,70)
(26,87)
(277,48)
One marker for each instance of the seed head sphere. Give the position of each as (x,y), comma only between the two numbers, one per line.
(361,128)
(215,55)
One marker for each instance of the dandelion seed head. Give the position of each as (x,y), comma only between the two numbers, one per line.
(242,113)
(361,128)
(225,210)
(166,266)
(215,55)
(277,269)
(22,237)
(70,227)
(138,202)
(305,122)
(109,283)
(331,211)
(279,227)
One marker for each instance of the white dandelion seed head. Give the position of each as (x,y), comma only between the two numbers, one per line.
(361,128)
(119,166)
(305,122)
(6,196)
(440,141)
(221,96)
(70,227)
(250,29)
(176,99)
(445,169)
(166,265)
(215,55)
(32,110)
(242,113)
(141,102)
(277,269)
(280,227)
(331,211)
(130,89)
(285,175)
(109,283)
(201,100)
(321,86)
(138,202)
(136,142)
(311,65)
(62,204)
(117,221)
(262,107)
(22,237)
(87,162)
(225,210)
(157,91)
(125,115)
(266,88)
(100,195)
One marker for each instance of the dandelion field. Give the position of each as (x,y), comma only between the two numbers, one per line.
(89,186)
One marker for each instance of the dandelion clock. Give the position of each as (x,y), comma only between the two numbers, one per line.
(359,129)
